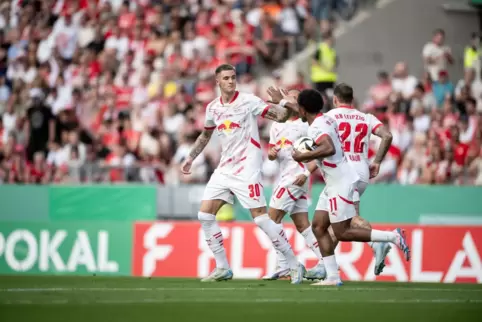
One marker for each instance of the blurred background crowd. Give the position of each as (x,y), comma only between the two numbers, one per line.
(115,91)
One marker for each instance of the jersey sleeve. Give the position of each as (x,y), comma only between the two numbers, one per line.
(258,106)
(374,122)
(209,120)
(319,130)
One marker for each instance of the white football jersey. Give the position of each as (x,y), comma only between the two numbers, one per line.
(355,128)
(335,169)
(283,135)
(236,124)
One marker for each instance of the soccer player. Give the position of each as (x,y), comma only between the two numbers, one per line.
(290,195)
(335,206)
(355,128)
(233,116)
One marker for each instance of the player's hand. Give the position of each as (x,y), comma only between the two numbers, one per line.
(275,94)
(186,166)
(374,169)
(273,152)
(300,180)
(298,156)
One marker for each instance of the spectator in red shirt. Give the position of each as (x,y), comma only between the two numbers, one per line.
(460,151)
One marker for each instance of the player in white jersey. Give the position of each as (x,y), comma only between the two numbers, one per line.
(233,116)
(355,129)
(290,194)
(335,206)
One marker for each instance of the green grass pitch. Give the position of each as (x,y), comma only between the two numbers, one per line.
(89,299)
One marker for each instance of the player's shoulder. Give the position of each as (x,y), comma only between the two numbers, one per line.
(244,96)
(214,103)
(275,126)
(322,120)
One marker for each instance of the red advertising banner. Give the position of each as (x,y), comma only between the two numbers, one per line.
(178,249)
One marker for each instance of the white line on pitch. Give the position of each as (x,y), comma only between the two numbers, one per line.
(190,289)
(264,300)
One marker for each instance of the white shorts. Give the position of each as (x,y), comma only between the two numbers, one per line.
(361,186)
(338,202)
(289,198)
(250,192)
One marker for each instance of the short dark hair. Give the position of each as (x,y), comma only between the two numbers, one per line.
(344,93)
(471,100)
(224,67)
(439,31)
(311,101)
(420,87)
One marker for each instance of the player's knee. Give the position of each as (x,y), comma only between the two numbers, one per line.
(206,218)
(317,228)
(301,222)
(276,215)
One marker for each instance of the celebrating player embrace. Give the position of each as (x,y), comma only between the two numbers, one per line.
(233,117)
(336,204)
(290,195)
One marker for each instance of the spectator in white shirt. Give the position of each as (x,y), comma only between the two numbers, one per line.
(421,121)
(56,156)
(436,55)
(290,17)
(9,120)
(118,42)
(66,37)
(86,32)
(402,82)
(140,95)
(74,142)
(421,98)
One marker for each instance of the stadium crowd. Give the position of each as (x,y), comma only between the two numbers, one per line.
(114,91)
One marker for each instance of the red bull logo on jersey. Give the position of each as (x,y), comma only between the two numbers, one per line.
(228,126)
(284,143)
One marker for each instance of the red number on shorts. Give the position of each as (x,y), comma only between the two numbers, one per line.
(361,129)
(254,190)
(333,206)
(280,192)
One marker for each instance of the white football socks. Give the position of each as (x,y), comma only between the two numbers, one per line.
(282,262)
(383,236)
(278,238)
(214,238)
(331,266)
(312,243)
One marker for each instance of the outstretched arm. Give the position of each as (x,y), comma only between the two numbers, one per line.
(277,114)
(281,113)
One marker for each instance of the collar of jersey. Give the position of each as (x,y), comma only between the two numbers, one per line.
(235,96)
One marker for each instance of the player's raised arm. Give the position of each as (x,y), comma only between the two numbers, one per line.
(283,113)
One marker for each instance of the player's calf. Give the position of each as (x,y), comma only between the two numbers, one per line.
(280,242)
(214,238)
